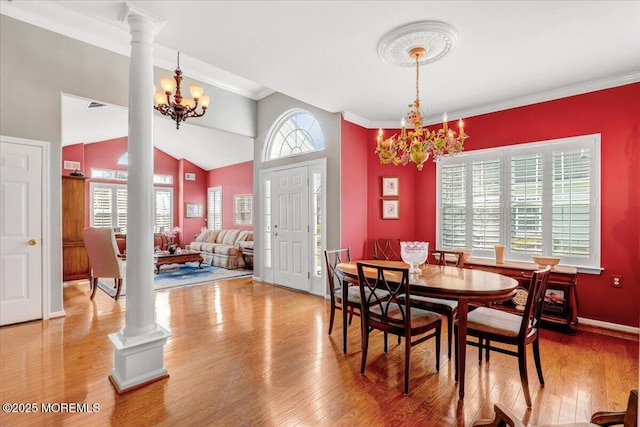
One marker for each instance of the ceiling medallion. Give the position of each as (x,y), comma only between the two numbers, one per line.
(437,38)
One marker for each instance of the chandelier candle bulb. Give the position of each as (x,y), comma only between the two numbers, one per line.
(167,85)
(196,91)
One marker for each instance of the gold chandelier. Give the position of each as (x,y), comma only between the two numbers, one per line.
(420,143)
(180,109)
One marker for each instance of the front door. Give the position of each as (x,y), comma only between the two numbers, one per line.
(20,232)
(290,227)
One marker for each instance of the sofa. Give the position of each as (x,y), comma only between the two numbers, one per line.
(223,248)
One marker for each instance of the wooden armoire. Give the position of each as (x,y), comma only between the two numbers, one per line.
(75,262)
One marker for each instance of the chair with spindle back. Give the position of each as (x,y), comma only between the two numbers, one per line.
(492,325)
(392,312)
(386,249)
(446,307)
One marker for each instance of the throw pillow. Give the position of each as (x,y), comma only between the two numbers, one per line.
(202,237)
(213,236)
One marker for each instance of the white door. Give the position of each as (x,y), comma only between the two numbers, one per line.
(290,227)
(20,232)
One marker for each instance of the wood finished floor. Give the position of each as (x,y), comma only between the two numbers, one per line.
(245,353)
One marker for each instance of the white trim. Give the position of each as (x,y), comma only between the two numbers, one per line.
(608,325)
(114,36)
(55,314)
(549,95)
(46,222)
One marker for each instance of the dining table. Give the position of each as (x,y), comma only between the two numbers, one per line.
(464,285)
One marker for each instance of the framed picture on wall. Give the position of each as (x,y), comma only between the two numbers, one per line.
(390,186)
(194,210)
(391,209)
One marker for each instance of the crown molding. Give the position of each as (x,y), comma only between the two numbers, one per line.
(549,95)
(115,36)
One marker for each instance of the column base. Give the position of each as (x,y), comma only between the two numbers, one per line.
(138,360)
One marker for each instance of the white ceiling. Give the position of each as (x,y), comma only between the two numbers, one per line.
(324,53)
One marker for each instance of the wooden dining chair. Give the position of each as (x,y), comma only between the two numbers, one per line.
(492,325)
(387,249)
(629,418)
(446,307)
(393,313)
(337,280)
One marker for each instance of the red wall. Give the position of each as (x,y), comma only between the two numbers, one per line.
(614,113)
(235,180)
(353,166)
(191,192)
(105,155)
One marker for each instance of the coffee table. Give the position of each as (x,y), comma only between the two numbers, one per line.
(177,258)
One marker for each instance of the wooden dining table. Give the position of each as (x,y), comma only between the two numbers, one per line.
(462,284)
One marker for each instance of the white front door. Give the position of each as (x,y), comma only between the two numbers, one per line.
(20,232)
(290,227)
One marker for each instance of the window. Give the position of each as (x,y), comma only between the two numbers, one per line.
(120,175)
(109,206)
(317,223)
(267,223)
(242,208)
(214,208)
(536,199)
(296,132)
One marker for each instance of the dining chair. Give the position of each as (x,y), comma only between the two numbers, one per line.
(629,418)
(336,281)
(105,260)
(520,330)
(393,313)
(387,249)
(446,307)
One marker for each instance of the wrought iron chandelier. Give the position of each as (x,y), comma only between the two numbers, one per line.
(419,143)
(180,109)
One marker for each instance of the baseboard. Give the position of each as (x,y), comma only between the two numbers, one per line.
(55,314)
(608,325)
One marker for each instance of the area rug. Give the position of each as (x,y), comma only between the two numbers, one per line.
(175,275)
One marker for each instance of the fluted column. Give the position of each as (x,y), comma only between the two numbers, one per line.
(139,346)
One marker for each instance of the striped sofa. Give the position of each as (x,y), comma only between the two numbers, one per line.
(223,248)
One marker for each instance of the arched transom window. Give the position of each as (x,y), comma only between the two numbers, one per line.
(295,132)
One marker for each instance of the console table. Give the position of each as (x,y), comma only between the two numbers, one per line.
(561,301)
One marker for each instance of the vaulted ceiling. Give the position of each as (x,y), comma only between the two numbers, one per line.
(509,53)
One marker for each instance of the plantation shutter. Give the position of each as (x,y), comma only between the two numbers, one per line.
(526,204)
(571,201)
(121,208)
(164,209)
(214,208)
(102,213)
(454,206)
(486,191)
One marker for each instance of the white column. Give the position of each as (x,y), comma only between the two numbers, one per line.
(139,346)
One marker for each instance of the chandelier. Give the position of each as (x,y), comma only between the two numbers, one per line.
(180,109)
(418,143)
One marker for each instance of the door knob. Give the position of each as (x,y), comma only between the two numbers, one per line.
(32,242)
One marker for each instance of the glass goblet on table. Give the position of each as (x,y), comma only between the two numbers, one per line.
(414,254)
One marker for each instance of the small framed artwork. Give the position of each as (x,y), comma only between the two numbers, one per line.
(194,210)
(390,209)
(390,186)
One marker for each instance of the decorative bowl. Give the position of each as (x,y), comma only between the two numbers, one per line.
(414,254)
(543,261)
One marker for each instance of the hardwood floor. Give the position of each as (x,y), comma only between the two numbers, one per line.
(248,353)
